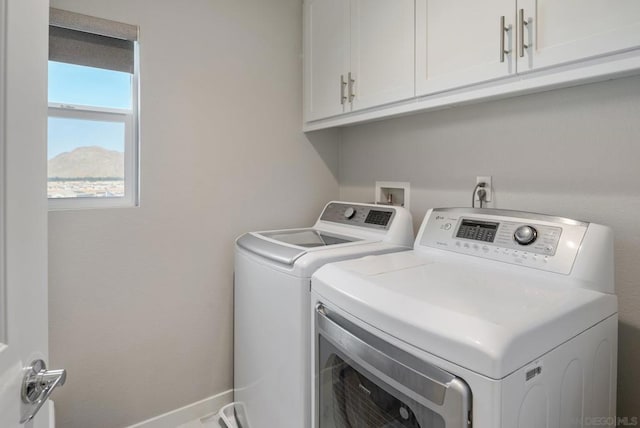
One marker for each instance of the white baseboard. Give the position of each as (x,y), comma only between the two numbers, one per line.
(188,413)
(52,414)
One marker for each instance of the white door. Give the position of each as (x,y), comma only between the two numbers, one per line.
(571,30)
(459,43)
(23,203)
(326,57)
(382,51)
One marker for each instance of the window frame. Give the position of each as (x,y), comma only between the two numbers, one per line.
(130,118)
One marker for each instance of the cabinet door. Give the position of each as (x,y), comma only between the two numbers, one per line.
(571,30)
(382,51)
(458,43)
(326,57)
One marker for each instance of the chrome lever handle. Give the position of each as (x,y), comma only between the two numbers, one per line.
(37,385)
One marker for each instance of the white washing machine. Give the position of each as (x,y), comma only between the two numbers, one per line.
(272,305)
(496,319)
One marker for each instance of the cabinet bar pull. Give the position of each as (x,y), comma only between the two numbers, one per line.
(503,29)
(523,46)
(352,92)
(343,84)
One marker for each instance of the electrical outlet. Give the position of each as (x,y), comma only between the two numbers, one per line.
(489,186)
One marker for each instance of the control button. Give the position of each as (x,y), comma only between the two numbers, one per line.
(548,249)
(466,245)
(485,249)
(349,213)
(457,243)
(476,246)
(525,235)
(447,226)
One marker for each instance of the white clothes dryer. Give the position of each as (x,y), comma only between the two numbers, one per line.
(496,319)
(272,313)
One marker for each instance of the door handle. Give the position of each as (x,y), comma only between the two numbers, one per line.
(37,385)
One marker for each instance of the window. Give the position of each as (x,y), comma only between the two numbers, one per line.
(93,123)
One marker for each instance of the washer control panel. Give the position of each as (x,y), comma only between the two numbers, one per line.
(532,240)
(374,216)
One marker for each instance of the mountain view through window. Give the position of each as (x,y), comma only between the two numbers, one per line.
(89,115)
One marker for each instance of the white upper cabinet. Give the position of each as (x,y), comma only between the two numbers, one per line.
(358,54)
(464,43)
(382,51)
(370,59)
(559,32)
(459,43)
(326,57)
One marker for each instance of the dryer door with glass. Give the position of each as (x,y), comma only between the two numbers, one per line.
(366,382)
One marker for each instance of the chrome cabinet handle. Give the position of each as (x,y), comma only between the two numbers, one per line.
(352,92)
(523,23)
(37,385)
(343,84)
(503,29)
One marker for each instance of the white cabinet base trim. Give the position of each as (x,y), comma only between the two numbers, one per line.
(579,73)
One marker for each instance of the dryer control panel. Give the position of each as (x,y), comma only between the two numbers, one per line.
(532,240)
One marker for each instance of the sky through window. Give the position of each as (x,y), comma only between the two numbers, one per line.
(86,86)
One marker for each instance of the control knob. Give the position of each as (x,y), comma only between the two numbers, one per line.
(525,235)
(349,213)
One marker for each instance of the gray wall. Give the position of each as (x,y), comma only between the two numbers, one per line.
(572,152)
(141,298)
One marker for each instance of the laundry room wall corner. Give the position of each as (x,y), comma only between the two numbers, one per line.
(327,145)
